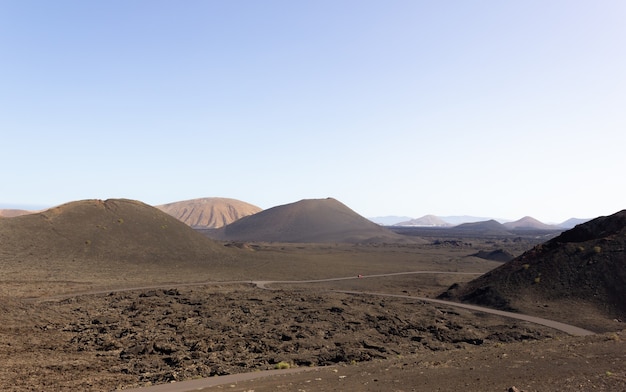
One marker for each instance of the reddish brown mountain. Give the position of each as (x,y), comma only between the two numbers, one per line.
(313,220)
(585,265)
(96,230)
(209,212)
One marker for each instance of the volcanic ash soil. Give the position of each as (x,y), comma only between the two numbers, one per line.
(137,338)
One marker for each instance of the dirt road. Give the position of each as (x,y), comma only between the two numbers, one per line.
(194,385)
(263,284)
(569,329)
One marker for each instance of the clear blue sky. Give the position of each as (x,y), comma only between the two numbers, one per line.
(488,108)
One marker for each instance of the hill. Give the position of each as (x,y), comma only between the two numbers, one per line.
(584,267)
(309,221)
(529,223)
(485,227)
(96,230)
(572,222)
(209,212)
(10,212)
(425,221)
(495,255)
(459,219)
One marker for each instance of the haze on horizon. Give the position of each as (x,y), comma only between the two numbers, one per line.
(500,109)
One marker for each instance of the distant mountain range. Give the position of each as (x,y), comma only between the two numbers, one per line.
(216,212)
(526,222)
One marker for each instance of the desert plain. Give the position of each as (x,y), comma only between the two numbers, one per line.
(116,295)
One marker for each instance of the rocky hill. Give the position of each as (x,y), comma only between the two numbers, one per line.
(312,220)
(96,230)
(584,266)
(209,212)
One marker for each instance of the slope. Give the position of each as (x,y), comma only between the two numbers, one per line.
(584,267)
(95,231)
(311,220)
(10,212)
(209,212)
(484,227)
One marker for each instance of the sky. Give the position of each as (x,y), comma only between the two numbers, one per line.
(488,108)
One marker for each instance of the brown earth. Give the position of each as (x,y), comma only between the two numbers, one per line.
(116,229)
(139,307)
(562,364)
(209,212)
(10,213)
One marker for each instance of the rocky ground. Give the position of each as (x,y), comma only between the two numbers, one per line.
(63,327)
(138,338)
(563,364)
(129,339)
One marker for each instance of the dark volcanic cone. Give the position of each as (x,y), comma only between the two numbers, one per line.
(485,227)
(119,229)
(585,264)
(495,255)
(314,220)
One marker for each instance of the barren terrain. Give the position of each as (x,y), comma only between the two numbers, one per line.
(79,315)
(126,339)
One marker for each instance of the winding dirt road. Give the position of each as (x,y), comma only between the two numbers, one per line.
(263,284)
(567,328)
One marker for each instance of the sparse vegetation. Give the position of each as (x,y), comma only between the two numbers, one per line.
(282,365)
(615,337)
